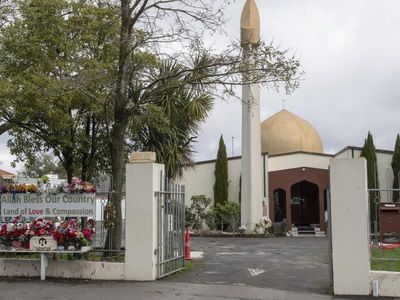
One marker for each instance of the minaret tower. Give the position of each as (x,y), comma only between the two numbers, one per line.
(251,198)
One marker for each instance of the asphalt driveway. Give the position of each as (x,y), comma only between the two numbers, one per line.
(293,264)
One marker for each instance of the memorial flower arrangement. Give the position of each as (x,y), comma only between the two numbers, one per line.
(16,234)
(69,237)
(66,233)
(3,188)
(80,186)
(19,188)
(41,227)
(76,186)
(263,225)
(109,216)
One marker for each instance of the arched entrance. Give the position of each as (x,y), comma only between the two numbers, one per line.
(305,203)
(280,205)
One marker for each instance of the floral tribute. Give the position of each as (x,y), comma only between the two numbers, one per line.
(15,234)
(69,237)
(19,188)
(75,187)
(263,225)
(67,233)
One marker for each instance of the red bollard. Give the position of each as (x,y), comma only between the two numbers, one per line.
(187,245)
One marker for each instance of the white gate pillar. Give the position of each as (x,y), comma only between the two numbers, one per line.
(350,226)
(142,181)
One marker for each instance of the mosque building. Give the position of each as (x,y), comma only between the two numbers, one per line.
(295,173)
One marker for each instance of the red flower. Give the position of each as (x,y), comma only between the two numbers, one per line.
(87,233)
(59,237)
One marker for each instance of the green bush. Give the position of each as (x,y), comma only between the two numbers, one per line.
(199,212)
(228,213)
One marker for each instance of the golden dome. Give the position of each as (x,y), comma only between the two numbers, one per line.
(285,132)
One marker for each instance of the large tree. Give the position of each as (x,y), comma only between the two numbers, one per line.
(44,164)
(221,175)
(369,153)
(149,73)
(396,168)
(55,59)
(150,26)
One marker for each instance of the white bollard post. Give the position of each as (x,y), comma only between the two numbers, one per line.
(142,181)
(350,226)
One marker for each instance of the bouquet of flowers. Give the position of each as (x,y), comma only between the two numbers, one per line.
(18,188)
(263,225)
(41,227)
(77,186)
(3,189)
(68,235)
(16,234)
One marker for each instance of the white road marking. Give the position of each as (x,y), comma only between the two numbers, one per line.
(211,272)
(256,272)
(232,253)
(196,254)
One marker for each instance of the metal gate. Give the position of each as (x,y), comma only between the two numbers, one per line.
(171,227)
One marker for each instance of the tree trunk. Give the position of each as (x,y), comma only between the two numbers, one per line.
(118,180)
(68,163)
(117,142)
(85,154)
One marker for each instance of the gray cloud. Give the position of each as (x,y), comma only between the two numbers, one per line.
(350,53)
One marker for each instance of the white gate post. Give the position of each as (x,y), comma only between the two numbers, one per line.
(142,181)
(350,226)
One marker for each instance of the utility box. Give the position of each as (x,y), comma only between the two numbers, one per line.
(389,219)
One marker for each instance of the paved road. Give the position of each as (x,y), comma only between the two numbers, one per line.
(88,290)
(280,269)
(292,264)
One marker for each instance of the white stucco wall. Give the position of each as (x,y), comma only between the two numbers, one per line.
(63,269)
(142,181)
(350,226)
(298,160)
(388,283)
(200,180)
(385,172)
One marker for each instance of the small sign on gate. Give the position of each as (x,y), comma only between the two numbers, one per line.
(42,243)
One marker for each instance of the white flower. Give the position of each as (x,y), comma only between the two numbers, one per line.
(242,228)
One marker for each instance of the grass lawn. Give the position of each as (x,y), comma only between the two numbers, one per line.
(385,260)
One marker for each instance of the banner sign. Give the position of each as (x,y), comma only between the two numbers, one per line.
(47,205)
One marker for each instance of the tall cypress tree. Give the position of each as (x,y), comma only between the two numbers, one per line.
(221,175)
(369,153)
(396,168)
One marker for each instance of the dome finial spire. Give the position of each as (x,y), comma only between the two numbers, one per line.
(283,103)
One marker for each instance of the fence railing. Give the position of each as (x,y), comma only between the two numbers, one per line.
(171,227)
(102,248)
(385,230)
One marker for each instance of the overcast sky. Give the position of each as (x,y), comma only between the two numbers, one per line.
(350,51)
